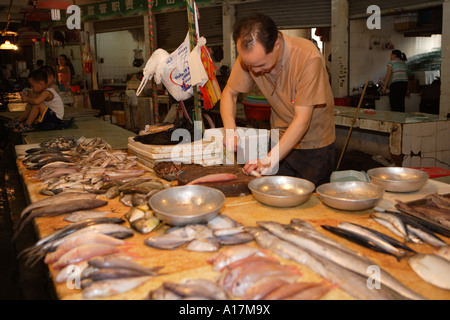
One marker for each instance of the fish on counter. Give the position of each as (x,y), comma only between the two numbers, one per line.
(218,231)
(371,239)
(344,258)
(215,177)
(194,289)
(106,276)
(347,280)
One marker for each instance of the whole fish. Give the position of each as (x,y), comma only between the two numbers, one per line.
(237,238)
(350,282)
(106,262)
(55,200)
(84,252)
(78,216)
(54,256)
(197,288)
(347,260)
(426,236)
(395,221)
(312,293)
(263,287)
(432,268)
(107,274)
(204,245)
(167,241)
(215,177)
(222,222)
(383,242)
(56,209)
(146,224)
(107,288)
(232,254)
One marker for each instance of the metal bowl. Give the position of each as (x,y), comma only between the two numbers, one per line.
(179,206)
(350,195)
(281,191)
(398,179)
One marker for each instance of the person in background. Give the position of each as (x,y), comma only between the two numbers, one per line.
(40,63)
(397,73)
(45,104)
(65,71)
(291,74)
(51,76)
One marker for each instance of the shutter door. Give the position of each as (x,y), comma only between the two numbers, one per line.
(358,8)
(290,14)
(172,27)
(119,24)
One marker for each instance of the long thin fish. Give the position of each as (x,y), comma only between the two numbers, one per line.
(107,288)
(352,262)
(350,282)
(395,221)
(61,197)
(65,207)
(382,241)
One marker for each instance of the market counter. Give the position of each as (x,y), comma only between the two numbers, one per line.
(180,264)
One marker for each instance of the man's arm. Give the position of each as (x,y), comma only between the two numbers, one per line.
(228,108)
(291,137)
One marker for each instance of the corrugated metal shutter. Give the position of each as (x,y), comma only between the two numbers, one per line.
(119,24)
(172,27)
(358,8)
(290,14)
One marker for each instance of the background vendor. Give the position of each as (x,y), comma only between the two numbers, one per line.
(291,74)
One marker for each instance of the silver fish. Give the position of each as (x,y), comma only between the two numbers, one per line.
(373,239)
(55,200)
(106,262)
(197,288)
(166,241)
(427,236)
(107,288)
(350,282)
(204,245)
(78,216)
(395,221)
(347,260)
(432,268)
(444,252)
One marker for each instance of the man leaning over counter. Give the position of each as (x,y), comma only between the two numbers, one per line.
(290,72)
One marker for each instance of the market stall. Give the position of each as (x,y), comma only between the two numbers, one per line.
(179,263)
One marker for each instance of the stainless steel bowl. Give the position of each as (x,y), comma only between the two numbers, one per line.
(398,179)
(179,206)
(350,195)
(281,191)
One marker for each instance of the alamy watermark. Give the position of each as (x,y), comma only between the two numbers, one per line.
(374,21)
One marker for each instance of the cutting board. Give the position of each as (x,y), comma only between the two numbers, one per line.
(234,188)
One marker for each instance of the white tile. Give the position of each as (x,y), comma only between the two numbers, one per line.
(429,159)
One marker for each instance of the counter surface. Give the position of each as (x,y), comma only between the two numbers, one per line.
(180,264)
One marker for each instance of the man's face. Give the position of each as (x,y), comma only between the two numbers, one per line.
(256,58)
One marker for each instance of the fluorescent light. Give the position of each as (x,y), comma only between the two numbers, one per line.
(8,46)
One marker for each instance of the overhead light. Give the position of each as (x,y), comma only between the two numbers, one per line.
(8,46)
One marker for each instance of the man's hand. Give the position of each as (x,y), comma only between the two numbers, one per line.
(260,166)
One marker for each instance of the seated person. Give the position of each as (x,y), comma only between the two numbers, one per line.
(45,103)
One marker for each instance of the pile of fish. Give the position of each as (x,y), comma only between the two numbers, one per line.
(107,276)
(78,242)
(333,261)
(66,202)
(433,207)
(36,158)
(189,289)
(250,274)
(59,143)
(220,230)
(142,219)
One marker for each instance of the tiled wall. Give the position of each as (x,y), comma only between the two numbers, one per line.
(426,144)
(366,62)
(116,49)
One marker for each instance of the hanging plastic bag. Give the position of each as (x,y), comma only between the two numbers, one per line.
(210,90)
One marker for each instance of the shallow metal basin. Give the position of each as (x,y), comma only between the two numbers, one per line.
(350,195)
(281,191)
(179,206)
(398,179)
